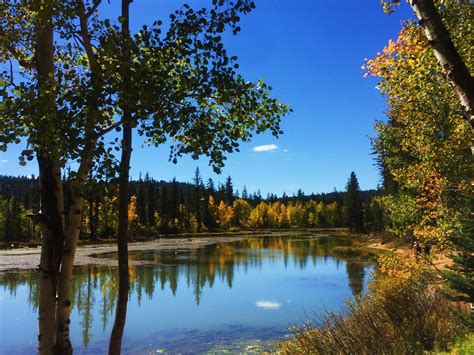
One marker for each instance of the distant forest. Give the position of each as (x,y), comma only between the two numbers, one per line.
(168,207)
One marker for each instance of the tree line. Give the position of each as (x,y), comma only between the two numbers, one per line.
(160,207)
(178,82)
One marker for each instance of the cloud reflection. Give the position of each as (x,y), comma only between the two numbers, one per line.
(268,305)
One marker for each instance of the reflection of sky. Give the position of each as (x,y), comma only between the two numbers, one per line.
(318,285)
(268,305)
(271,293)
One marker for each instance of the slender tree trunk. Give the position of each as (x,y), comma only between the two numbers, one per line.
(51,223)
(452,65)
(92,220)
(96,215)
(51,216)
(63,307)
(63,304)
(47,297)
(121,310)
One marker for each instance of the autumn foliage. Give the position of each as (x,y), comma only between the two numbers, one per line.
(423,147)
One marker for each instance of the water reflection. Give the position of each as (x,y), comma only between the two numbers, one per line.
(278,275)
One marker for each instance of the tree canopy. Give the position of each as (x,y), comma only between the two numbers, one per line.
(67,76)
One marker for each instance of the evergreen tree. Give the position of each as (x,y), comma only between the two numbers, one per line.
(175,207)
(461,276)
(197,197)
(353,211)
(141,202)
(211,187)
(163,210)
(229,191)
(220,192)
(173,203)
(245,194)
(151,196)
(300,195)
(257,197)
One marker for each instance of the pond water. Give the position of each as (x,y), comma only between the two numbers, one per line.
(237,296)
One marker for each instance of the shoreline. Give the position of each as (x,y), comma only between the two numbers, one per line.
(27,258)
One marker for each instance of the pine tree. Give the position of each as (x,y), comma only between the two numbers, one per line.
(229,191)
(211,187)
(461,276)
(197,197)
(257,197)
(163,208)
(245,195)
(173,203)
(151,205)
(220,195)
(142,198)
(300,195)
(353,212)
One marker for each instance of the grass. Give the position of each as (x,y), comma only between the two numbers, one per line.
(398,316)
(462,346)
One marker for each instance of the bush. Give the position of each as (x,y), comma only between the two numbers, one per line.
(148,232)
(398,316)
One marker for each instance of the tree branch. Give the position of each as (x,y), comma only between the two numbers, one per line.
(86,36)
(93,8)
(452,65)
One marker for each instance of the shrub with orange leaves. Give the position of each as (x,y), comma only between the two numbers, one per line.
(403,265)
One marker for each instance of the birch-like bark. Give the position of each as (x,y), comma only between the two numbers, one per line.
(47,269)
(63,308)
(115,344)
(51,216)
(51,223)
(452,65)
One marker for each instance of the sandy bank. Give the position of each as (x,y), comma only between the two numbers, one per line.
(28,258)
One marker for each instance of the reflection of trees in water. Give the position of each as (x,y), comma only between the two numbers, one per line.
(356,274)
(97,287)
(10,281)
(83,286)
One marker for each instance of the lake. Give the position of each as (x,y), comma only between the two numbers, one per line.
(239,296)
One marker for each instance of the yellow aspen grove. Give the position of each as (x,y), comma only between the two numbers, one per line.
(132,209)
(225,214)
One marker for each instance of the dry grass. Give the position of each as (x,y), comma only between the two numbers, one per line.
(400,316)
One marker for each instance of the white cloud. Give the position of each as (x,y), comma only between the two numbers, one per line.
(265,148)
(268,305)
(285,150)
(3,161)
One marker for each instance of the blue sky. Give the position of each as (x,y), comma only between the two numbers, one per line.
(310,52)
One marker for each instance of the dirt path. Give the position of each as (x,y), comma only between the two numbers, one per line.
(28,258)
(440,262)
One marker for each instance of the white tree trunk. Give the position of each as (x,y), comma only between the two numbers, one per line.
(51,216)
(63,307)
(452,65)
